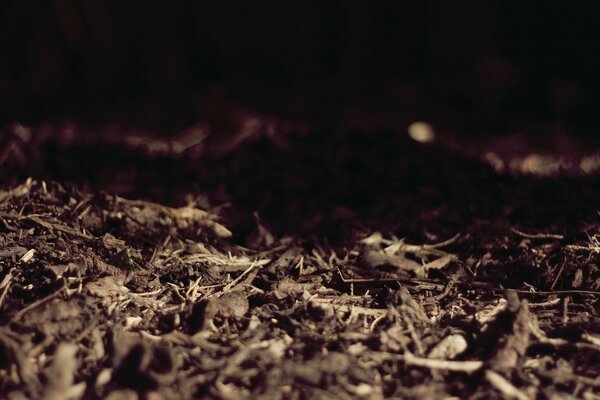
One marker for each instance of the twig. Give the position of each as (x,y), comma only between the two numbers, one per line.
(501,384)
(406,281)
(354,310)
(548,303)
(448,365)
(592,339)
(469,285)
(431,363)
(150,336)
(558,342)
(491,286)
(449,286)
(592,247)
(39,302)
(565,313)
(59,227)
(565,375)
(412,330)
(375,322)
(86,331)
(537,235)
(176,291)
(560,271)
(554,292)
(442,244)
(234,282)
(6,282)
(147,294)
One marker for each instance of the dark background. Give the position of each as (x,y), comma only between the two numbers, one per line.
(475,66)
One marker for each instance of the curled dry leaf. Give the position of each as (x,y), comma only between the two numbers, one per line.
(440,263)
(377,258)
(373,239)
(449,347)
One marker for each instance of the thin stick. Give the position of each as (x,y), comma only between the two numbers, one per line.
(560,271)
(37,303)
(442,244)
(501,384)
(555,292)
(56,226)
(470,285)
(6,282)
(234,282)
(431,363)
(537,235)
(434,285)
(448,365)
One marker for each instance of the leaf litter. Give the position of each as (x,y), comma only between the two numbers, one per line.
(468,285)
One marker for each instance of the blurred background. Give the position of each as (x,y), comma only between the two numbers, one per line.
(472,67)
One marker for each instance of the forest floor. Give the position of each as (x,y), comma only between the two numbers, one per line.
(272,263)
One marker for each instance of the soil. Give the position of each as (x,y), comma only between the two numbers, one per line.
(273,261)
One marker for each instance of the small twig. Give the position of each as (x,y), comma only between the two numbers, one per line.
(558,342)
(6,282)
(253,288)
(58,227)
(548,303)
(555,292)
(565,313)
(431,363)
(449,286)
(28,256)
(176,291)
(592,247)
(448,365)
(39,302)
(40,347)
(469,285)
(541,336)
(442,244)
(592,339)
(419,249)
(537,235)
(569,376)
(507,389)
(376,321)
(234,282)
(490,286)
(406,281)
(191,292)
(150,336)
(86,331)
(147,294)
(412,330)
(560,271)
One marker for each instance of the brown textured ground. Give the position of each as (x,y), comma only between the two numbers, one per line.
(271,263)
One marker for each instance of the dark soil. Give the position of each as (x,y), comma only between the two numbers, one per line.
(274,261)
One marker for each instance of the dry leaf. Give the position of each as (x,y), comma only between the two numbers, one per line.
(440,263)
(449,347)
(61,375)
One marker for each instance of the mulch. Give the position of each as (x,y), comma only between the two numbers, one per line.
(273,263)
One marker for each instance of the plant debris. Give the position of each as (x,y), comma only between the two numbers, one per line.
(328,268)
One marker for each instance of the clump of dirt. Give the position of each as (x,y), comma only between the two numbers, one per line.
(267,265)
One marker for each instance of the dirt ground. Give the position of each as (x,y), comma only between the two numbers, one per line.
(273,262)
